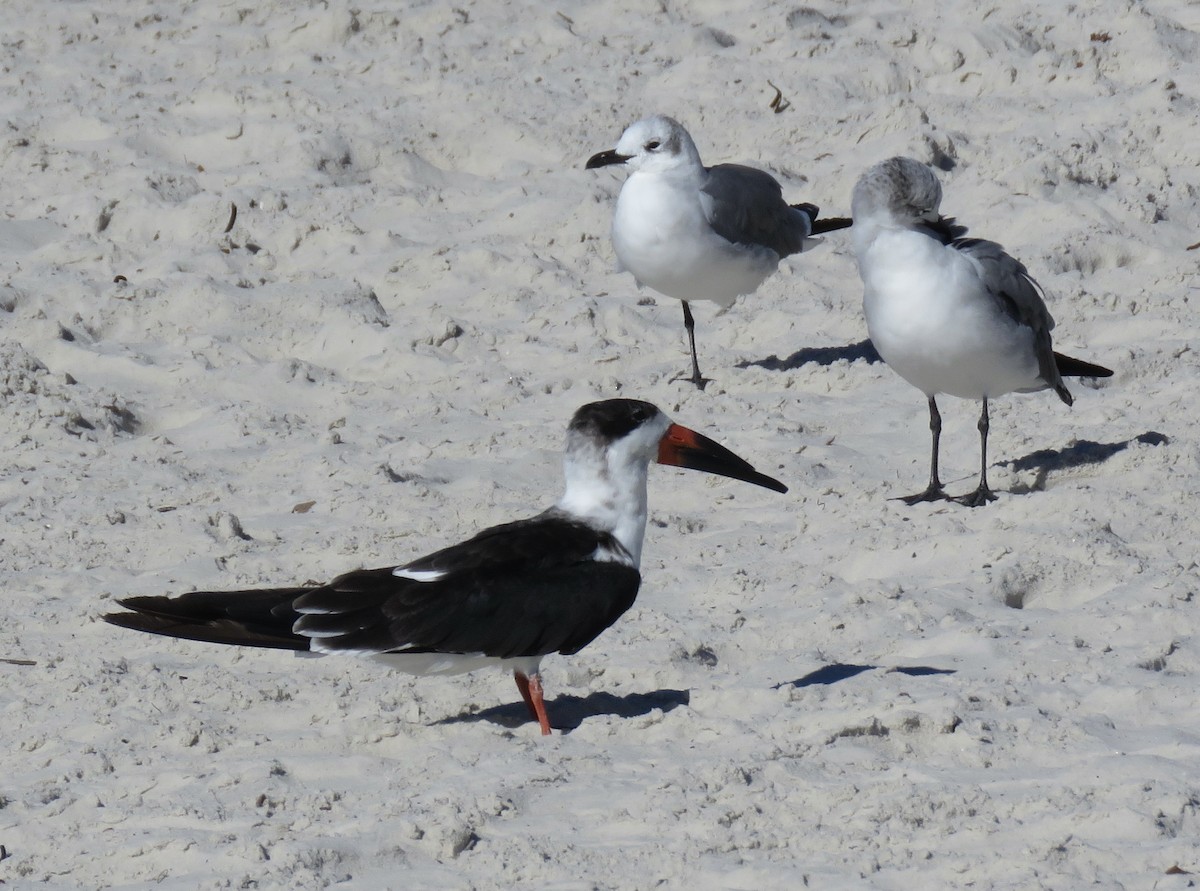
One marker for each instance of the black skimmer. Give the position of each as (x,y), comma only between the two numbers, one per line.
(509,596)
(950,314)
(700,233)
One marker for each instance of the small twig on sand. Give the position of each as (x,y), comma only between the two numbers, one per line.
(778,104)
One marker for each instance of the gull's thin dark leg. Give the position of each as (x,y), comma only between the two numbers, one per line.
(933,492)
(690,324)
(982,494)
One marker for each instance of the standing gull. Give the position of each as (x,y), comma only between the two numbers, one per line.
(949,314)
(509,596)
(700,233)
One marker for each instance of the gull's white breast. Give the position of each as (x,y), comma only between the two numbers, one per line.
(662,237)
(930,316)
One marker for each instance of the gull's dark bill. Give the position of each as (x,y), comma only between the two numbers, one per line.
(605,158)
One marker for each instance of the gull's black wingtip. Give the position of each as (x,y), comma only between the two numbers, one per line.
(820,225)
(831,224)
(1069,367)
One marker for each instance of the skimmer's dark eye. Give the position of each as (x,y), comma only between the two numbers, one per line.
(653,145)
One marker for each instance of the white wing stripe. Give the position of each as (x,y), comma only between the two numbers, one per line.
(418,575)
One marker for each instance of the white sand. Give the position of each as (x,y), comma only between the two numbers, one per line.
(430,294)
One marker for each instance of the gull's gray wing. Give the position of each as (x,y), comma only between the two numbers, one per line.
(1019,296)
(746,206)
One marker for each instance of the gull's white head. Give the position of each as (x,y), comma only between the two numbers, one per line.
(656,144)
(898,190)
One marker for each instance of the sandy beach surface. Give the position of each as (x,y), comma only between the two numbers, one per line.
(825,689)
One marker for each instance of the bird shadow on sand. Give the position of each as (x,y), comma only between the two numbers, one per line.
(817,356)
(1082,453)
(568,712)
(840,671)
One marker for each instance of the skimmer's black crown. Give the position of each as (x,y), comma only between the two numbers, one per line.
(612,419)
